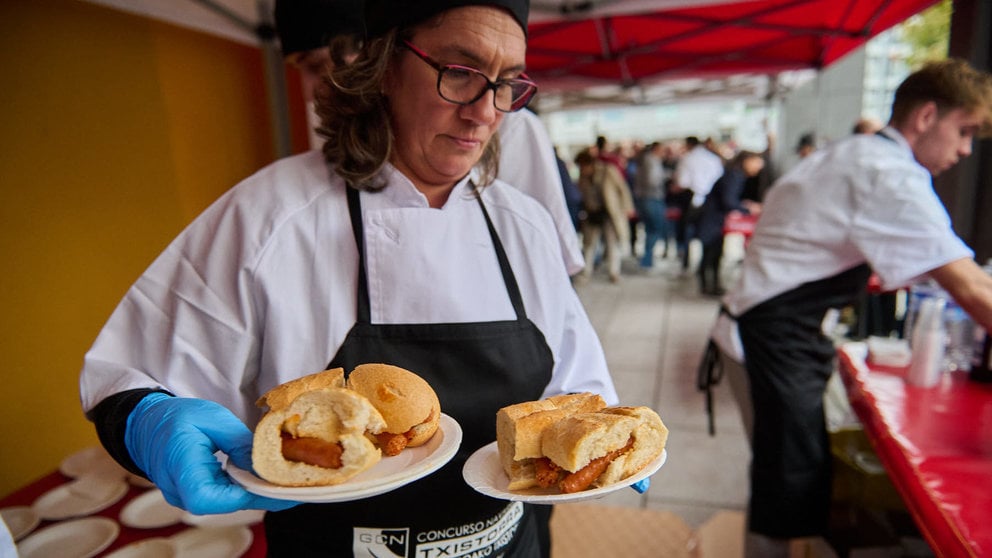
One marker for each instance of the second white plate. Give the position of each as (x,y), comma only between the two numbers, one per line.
(20,520)
(485,474)
(150,511)
(83,496)
(388,474)
(79,538)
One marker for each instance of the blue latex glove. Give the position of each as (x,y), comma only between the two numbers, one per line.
(173,440)
(642,485)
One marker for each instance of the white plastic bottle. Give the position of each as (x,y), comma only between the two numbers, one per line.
(928,343)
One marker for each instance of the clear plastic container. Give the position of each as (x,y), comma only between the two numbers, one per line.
(959,329)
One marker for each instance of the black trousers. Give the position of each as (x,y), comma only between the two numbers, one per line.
(788,364)
(709,266)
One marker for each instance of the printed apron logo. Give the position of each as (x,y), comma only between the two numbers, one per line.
(472,540)
(475,540)
(381,543)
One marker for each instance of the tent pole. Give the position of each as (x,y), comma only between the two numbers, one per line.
(272,68)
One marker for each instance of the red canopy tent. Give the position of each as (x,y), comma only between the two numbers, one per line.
(589,43)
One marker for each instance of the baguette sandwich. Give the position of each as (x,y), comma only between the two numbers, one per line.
(315,432)
(573,442)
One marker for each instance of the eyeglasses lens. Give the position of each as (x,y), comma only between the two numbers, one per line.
(465,85)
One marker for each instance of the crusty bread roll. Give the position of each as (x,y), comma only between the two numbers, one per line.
(576,442)
(323,416)
(405,400)
(573,443)
(284,394)
(519,429)
(650,436)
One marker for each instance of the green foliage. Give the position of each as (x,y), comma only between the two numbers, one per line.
(928,33)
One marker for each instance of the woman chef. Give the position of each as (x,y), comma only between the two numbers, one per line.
(458,278)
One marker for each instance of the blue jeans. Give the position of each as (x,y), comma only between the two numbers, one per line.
(652,214)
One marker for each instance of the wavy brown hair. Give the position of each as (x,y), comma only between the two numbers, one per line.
(355,119)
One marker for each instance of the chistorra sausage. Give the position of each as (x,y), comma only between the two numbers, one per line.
(581,479)
(546,473)
(313,451)
(392,444)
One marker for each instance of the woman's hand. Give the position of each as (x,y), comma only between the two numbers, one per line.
(173,440)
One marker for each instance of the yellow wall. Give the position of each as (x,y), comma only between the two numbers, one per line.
(115,131)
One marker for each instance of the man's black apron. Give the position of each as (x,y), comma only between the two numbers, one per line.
(475,368)
(788,361)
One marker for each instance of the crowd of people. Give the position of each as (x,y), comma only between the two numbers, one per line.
(650,202)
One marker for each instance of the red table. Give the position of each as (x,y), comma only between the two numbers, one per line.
(936,445)
(28,494)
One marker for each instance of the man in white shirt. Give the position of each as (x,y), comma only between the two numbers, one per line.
(696,172)
(867,200)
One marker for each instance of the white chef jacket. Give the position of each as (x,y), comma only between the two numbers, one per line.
(261,288)
(527,161)
(698,170)
(861,199)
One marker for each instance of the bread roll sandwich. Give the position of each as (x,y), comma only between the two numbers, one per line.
(578,448)
(284,394)
(519,429)
(315,435)
(406,401)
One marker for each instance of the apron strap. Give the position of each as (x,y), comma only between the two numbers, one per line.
(355,211)
(364,313)
(504,263)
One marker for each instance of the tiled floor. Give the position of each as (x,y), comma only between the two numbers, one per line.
(654,327)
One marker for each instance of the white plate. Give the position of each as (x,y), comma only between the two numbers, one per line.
(20,520)
(388,474)
(484,473)
(93,460)
(156,547)
(83,496)
(150,511)
(212,542)
(243,517)
(79,538)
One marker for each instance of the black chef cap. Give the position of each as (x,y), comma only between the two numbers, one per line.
(308,24)
(383,15)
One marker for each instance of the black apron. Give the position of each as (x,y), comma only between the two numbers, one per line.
(788,361)
(475,368)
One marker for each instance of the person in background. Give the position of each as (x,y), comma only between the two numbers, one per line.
(573,198)
(607,204)
(865,200)
(603,152)
(724,198)
(632,160)
(649,199)
(806,145)
(696,172)
(306,29)
(867,125)
(755,187)
(527,162)
(394,244)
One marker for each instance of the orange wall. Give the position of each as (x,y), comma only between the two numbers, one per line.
(115,131)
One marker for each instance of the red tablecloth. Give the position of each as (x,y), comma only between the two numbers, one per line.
(27,495)
(936,445)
